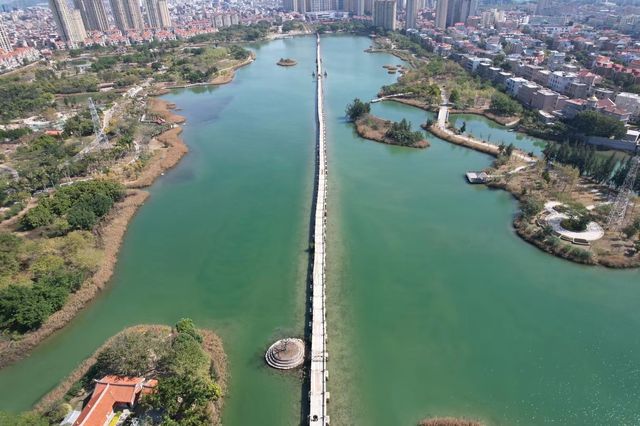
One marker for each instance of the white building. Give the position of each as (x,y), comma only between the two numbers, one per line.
(559,81)
(5,43)
(629,102)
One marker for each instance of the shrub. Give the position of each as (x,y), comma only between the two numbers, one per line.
(81,217)
(401,133)
(502,104)
(357,109)
(25,308)
(530,207)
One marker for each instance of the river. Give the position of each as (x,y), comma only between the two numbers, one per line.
(436,307)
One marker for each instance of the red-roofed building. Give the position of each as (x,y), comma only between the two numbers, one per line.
(112,393)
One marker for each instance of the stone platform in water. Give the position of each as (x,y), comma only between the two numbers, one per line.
(285,354)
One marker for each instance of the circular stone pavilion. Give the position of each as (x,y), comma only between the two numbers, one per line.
(285,354)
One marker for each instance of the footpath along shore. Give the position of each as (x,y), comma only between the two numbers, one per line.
(110,233)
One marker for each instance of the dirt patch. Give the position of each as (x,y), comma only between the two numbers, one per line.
(110,234)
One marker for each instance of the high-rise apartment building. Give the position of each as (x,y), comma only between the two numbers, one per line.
(543,7)
(69,22)
(412,13)
(451,12)
(321,5)
(384,14)
(5,44)
(158,14)
(441,14)
(355,6)
(94,15)
(127,14)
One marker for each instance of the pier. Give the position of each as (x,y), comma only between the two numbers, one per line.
(318,393)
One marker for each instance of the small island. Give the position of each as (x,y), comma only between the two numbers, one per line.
(163,375)
(376,129)
(287,62)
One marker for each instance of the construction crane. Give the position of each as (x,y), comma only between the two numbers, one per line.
(621,204)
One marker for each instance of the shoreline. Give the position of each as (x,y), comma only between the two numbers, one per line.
(530,231)
(111,234)
(212,344)
(226,76)
(378,134)
(509,122)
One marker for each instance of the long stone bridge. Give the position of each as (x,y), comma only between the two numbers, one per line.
(318,393)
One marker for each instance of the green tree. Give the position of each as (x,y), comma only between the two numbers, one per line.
(593,123)
(183,399)
(186,325)
(502,104)
(81,217)
(130,354)
(357,109)
(454,97)
(25,308)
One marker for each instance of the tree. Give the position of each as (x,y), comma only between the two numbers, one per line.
(36,217)
(502,104)
(402,134)
(186,325)
(530,207)
(25,308)
(81,217)
(454,97)
(183,399)
(357,109)
(10,248)
(593,123)
(130,354)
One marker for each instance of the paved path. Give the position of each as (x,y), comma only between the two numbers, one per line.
(318,394)
(443,119)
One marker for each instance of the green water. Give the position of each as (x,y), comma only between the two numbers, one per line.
(447,311)
(490,131)
(222,240)
(436,306)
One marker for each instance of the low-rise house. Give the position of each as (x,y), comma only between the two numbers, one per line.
(629,102)
(113,393)
(544,100)
(526,92)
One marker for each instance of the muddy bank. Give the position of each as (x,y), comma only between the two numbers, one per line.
(110,234)
(163,159)
(212,344)
(375,129)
